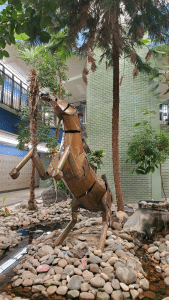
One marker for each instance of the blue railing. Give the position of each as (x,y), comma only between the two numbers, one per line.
(14,91)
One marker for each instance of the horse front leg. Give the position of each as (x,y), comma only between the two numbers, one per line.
(15,171)
(35,157)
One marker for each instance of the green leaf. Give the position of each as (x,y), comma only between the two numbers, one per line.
(19,28)
(44,37)
(1,80)
(21,37)
(145,41)
(2,42)
(157,94)
(5,198)
(1,54)
(137,124)
(44,21)
(5,53)
(155,87)
(17,4)
(2,2)
(6,212)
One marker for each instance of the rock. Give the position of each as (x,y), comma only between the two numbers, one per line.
(102,296)
(48,196)
(84,287)
(97,282)
(69,270)
(47,250)
(18,282)
(115,284)
(84,261)
(94,268)
(109,242)
(104,264)
(49,260)
(38,288)
(87,275)
(156,255)
(73,294)
(121,215)
(126,275)
(58,270)
(126,236)
(27,282)
(77,271)
(61,196)
(134,294)
(118,264)
(51,289)
(108,270)
(42,268)
(86,296)
(157,243)
(81,249)
(28,274)
(57,277)
(62,263)
(112,260)
(75,282)
(62,290)
(120,253)
(124,287)
(108,288)
(126,295)
(144,284)
(152,249)
(104,276)
(166,281)
(162,248)
(117,226)
(82,238)
(38,281)
(94,259)
(117,295)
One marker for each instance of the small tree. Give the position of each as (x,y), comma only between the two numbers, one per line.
(148,149)
(50,70)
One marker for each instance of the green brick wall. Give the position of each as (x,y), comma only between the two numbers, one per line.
(134,97)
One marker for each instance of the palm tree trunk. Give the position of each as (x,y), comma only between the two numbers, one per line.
(115,128)
(31,202)
(33,110)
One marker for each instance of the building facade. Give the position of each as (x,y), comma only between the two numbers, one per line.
(13,95)
(135,95)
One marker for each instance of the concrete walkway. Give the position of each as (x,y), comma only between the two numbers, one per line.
(15,197)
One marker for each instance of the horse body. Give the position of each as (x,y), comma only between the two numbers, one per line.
(88,189)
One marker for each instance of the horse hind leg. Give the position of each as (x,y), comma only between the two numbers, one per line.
(69,227)
(106,218)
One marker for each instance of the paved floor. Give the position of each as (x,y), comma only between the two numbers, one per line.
(15,197)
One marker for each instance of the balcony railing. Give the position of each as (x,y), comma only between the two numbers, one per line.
(14,91)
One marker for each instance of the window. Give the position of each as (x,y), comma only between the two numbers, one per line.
(164,113)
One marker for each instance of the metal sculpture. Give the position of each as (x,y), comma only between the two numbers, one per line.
(88,189)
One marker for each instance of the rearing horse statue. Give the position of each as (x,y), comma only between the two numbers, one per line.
(88,189)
